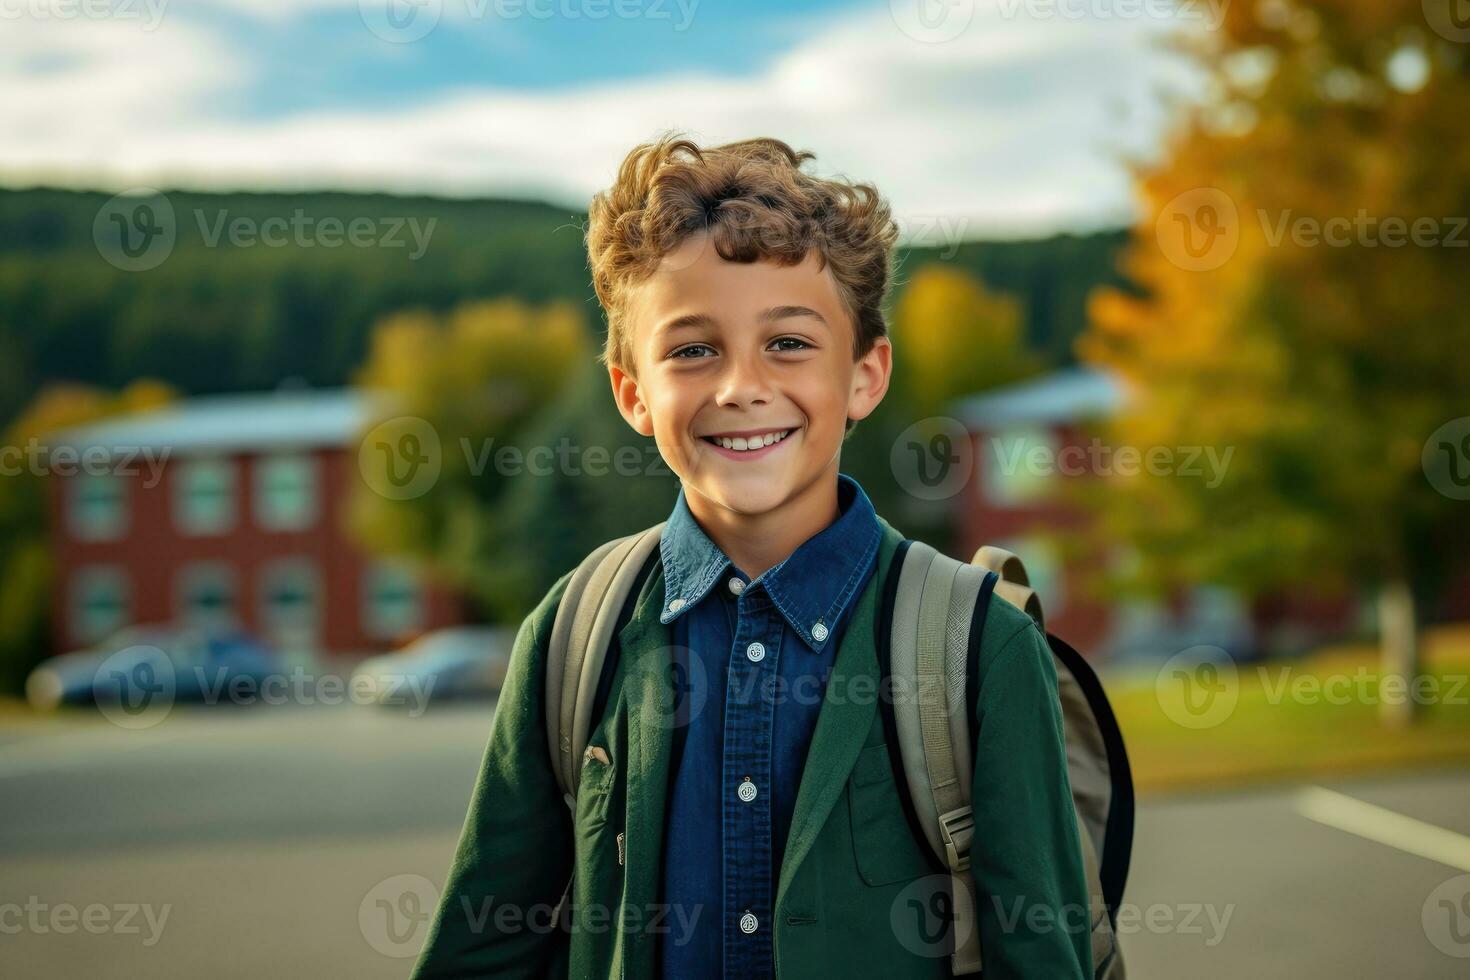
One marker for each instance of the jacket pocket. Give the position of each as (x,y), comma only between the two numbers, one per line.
(883,841)
(594,792)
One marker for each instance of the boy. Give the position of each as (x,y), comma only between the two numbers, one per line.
(745,819)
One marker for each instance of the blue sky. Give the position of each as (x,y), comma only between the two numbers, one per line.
(986,116)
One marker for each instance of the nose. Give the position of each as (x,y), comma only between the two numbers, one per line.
(743,381)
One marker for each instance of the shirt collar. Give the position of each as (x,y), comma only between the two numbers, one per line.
(811,587)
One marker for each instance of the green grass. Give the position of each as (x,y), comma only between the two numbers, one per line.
(1276,732)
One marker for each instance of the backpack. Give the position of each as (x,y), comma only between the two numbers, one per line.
(930,621)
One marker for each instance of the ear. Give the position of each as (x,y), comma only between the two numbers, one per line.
(870,380)
(629,397)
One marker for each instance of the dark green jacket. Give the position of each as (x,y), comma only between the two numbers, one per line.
(856,892)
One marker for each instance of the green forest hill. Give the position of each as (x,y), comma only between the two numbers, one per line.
(223,316)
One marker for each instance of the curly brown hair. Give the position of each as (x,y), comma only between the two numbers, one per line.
(756,203)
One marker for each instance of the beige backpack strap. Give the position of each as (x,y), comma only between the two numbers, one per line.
(1014,585)
(580,636)
(929,651)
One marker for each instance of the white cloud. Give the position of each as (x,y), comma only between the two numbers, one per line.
(1014,126)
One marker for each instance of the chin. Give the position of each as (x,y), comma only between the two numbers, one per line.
(752,495)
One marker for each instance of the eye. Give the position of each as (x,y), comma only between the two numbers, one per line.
(801,344)
(684,351)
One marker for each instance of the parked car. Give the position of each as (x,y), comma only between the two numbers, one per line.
(454,662)
(188,664)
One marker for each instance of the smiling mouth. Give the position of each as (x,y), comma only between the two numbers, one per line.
(746,444)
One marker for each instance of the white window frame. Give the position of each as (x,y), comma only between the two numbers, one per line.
(373,622)
(1021,488)
(266,469)
(1044,567)
(89,576)
(276,629)
(185,518)
(85,527)
(192,572)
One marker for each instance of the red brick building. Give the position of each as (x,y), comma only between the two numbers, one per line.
(1017,505)
(228,511)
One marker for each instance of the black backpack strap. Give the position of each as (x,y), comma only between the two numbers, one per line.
(972,669)
(1118,835)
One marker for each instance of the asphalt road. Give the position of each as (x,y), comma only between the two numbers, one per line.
(269,841)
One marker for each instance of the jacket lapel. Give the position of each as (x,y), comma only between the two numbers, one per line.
(848,708)
(842,727)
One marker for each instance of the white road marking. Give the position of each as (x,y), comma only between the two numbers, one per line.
(1384,826)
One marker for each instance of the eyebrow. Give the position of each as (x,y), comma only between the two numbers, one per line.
(690,321)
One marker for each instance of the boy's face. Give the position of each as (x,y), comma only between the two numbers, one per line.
(751,350)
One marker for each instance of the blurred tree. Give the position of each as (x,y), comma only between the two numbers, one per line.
(26,568)
(494,382)
(1288,314)
(956,338)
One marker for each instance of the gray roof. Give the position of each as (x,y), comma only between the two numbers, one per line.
(1068,395)
(253,422)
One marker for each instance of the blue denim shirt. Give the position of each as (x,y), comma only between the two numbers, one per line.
(752,659)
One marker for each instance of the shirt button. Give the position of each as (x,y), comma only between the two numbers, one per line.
(746,792)
(819,632)
(748,922)
(736,585)
(756,652)
(676,605)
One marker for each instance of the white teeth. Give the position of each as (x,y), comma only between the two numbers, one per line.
(743,444)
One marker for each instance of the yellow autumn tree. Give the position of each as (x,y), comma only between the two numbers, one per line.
(455,390)
(956,337)
(1304,278)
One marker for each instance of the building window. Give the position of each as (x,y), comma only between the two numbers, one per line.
(1043,569)
(204,496)
(290,603)
(1017,465)
(97,509)
(393,602)
(205,596)
(99,603)
(285,493)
